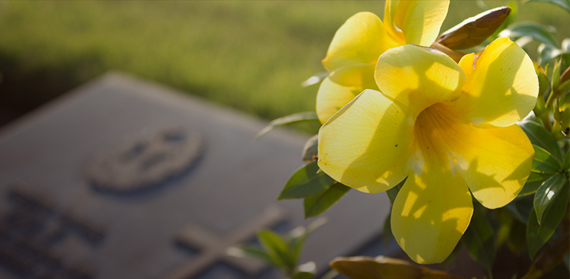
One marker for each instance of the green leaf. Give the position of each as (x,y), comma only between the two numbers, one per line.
(550,257)
(566,164)
(520,208)
(517,239)
(564,4)
(393,192)
(533,182)
(320,202)
(305,271)
(385,268)
(251,252)
(546,193)
(537,235)
(480,241)
(538,135)
(536,31)
(387,230)
(305,182)
(315,79)
(546,53)
(276,248)
(311,149)
(299,235)
(293,118)
(544,162)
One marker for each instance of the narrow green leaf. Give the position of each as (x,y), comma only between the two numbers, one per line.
(480,241)
(505,221)
(293,118)
(311,149)
(564,4)
(300,234)
(517,239)
(533,182)
(547,193)
(315,79)
(550,257)
(547,52)
(393,192)
(303,275)
(543,83)
(320,202)
(276,248)
(538,32)
(537,235)
(566,164)
(387,230)
(538,135)
(544,162)
(251,252)
(305,182)
(385,268)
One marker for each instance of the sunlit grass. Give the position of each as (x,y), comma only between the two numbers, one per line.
(251,55)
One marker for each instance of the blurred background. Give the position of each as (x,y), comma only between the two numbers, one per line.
(249,55)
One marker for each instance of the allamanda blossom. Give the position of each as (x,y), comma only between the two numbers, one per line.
(356,46)
(449,128)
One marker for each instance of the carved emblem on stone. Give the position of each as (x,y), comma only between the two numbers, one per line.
(144,161)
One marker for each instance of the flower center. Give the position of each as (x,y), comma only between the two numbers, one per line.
(434,131)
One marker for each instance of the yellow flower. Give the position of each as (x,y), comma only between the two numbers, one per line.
(359,42)
(448,128)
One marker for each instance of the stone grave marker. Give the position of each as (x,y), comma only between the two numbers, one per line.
(123,178)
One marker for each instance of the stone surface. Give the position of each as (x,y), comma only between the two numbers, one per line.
(61,215)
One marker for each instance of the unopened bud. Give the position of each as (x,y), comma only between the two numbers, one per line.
(474,30)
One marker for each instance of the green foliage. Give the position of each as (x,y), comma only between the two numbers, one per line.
(320,202)
(385,268)
(547,193)
(282,252)
(544,162)
(311,149)
(564,4)
(539,234)
(540,136)
(532,30)
(306,182)
(289,119)
(480,240)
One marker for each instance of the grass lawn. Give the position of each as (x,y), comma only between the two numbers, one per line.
(250,55)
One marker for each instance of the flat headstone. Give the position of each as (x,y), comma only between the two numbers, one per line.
(123,178)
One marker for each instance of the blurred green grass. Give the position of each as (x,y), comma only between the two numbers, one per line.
(250,55)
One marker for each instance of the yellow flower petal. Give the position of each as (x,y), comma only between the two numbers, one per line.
(389,15)
(368,143)
(342,86)
(420,20)
(495,162)
(361,39)
(501,85)
(418,78)
(431,213)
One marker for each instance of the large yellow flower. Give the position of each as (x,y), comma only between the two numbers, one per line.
(356,46)
(448,128)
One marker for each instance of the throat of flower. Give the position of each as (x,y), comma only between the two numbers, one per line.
(434,130)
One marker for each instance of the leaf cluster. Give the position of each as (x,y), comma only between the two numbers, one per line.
(282,252)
